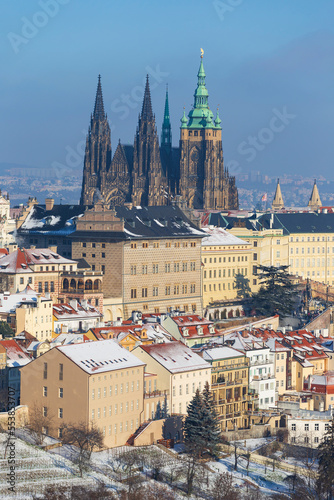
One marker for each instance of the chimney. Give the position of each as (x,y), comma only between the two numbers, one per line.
(74,304)
(84,303)
(49,202)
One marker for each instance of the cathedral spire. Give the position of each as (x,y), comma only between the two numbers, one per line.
(99,107)
(278,198)
(315,201)
(166,134)
(201,115)
(146,112)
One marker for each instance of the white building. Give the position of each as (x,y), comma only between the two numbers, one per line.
(308,428)
(7,224)
(261,366)
(75,317)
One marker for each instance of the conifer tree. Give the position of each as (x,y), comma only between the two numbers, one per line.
(201,427)
(241,284)
(277,293)
(164,409)
(211,427)
(325,481)
(193,425)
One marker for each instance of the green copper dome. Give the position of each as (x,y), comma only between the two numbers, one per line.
(218,120)
(201,115)
(184,120)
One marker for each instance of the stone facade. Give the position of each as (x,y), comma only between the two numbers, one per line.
(149,175)
(150,273)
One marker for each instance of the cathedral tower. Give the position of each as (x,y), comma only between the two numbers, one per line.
(278,198)
(148,179)
(315,201)
(98,151)
(204,182)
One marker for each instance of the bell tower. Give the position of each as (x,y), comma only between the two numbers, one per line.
(204,182)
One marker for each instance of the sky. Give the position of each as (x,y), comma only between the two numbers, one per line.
(269,67)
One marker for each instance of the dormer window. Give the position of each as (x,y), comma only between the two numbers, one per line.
(200,330)
(185,332)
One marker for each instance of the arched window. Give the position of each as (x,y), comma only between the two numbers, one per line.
(89,285)
(73,285)
(97,285)
(65,284)
(81,284)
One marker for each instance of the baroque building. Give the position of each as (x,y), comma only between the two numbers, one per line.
(148,174)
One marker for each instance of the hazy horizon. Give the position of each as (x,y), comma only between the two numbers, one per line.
(269,67)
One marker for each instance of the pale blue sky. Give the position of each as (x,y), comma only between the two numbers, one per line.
(260,56)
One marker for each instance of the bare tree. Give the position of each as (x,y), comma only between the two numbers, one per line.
(223,489)
(40,422)
(86,438)
(155,460)
(157,492)
(130,460)
(190,471)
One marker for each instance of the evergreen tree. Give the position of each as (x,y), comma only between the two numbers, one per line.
(325,481)
(193,426)
(241,284)
(164,410)
(201,427)
(5,330)
(211,427)
(158,412)
(277,293)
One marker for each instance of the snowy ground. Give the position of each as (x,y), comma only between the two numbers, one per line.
(35,468)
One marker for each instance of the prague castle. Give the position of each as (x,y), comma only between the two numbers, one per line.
(148,174)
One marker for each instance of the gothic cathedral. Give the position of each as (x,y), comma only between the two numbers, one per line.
(146,174)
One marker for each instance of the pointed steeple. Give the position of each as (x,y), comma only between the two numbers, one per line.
(218,120)
(166,134)
(315,201)
(99,107)
(278,198)
(146,112)
(201,115)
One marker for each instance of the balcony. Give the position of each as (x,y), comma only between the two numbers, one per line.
(221,382)
(229,367)
(155,394)
(78,291)
(262,362)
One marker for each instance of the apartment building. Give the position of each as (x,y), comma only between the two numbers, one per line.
(97,382)
(282,355)
(304,240)
(192,330)
(308,428)
(27,311)
(223,256)
(322,390)
(75,317)
(229,386)
(262,380)
(13,357)
(308,356)
(41,269)
(150,256)
(180,372)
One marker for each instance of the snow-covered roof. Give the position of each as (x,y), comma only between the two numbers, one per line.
(67,312)
(15,355)
(21,260)
(219,236)
(101,356)
(175,357)
(9,302)
(69,338)
(216,353)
